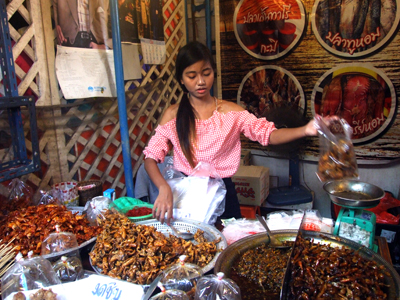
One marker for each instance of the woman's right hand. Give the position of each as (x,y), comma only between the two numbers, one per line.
(163,204)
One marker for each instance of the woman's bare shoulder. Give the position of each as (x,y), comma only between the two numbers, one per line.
(169,114)
(228,106)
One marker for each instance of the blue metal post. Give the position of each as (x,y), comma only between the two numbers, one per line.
(123,116)
(186,21)
(208,24)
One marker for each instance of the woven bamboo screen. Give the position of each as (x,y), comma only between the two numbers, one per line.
(80,140)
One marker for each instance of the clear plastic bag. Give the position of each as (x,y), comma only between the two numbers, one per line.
(30,274)
(68,268)
(169,294)
(181,276)
(95,208)
(59,241)
(212,287)
(199,196)
(47,197)
(20,196)
(337,158)
(237,229)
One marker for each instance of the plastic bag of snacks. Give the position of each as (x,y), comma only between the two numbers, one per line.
(28,275)
(47,197)
(95,208)
(212,287)
(169,294)
(181,276)
(20,196)
(68,268)
(59,241)
(337,158)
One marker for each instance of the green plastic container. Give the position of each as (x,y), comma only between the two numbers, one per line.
(124,204)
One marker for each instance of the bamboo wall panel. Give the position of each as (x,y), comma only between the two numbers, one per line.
(80,140)
(308,62)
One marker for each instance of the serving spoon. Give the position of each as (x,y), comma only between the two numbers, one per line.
(185,235)
(273,241)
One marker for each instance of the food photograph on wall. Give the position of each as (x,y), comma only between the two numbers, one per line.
(269,29)
(363,96)
(354,28)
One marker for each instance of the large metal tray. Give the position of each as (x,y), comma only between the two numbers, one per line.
(228,257)
(185,225)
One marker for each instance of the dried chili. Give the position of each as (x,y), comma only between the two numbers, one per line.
(139,211)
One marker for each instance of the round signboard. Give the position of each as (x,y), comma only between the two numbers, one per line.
(354,28)
(361,95)
(268,87)
(268,29)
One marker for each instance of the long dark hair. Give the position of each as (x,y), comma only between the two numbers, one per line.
(188,55)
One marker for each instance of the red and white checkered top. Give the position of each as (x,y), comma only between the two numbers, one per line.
(218,141)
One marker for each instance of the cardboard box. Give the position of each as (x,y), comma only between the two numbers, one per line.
(245,156)
(252,184)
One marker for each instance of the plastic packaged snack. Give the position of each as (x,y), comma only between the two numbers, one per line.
(181,276)
(213,287)
(28,275)
(20,195)
(95,208)
(59,241)
(47,197)
(169,294)
(68,268)
(337,158)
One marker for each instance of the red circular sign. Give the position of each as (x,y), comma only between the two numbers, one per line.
(362,95)
(268,29)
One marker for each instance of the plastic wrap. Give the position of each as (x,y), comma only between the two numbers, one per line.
(20,195)
(199,196)
(237,229)
(59,241)
(48,197)
(95,208)
(337,158)
(181,276)
(30,274)
(169,294)
(68,268)
(212,287)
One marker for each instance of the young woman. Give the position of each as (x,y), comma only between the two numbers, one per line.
(202,128)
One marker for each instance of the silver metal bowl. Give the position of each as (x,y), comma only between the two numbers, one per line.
(353,193)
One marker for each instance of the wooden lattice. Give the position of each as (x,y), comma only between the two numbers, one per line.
(80,140)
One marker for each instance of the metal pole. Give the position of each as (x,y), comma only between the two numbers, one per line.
(123,117)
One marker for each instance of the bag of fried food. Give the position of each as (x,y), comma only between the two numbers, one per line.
(60,241)
(337,159)
(217,287)
(28,274)
(181,276)
(169,294)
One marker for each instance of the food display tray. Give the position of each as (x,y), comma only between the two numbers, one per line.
(186,225)
(227,259)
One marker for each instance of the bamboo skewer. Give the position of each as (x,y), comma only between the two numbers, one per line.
(7,255)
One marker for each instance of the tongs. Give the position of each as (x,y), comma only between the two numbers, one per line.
(285,288)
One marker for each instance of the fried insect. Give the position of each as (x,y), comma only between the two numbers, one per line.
(324,272)
(137,253)
(259,272)
(30,226)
